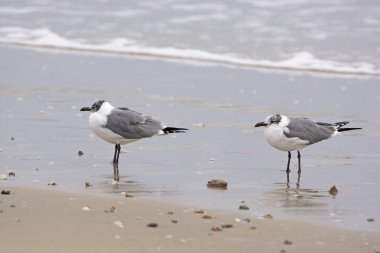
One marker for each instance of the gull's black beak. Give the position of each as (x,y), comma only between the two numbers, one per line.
(260,124)
(85,109)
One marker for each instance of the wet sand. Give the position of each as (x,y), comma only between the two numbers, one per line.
(42,131)
(48,220)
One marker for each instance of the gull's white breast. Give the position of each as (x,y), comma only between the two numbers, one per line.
(276,138)
(98,122)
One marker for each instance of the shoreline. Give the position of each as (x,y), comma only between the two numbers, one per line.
(139,54)
(79,222)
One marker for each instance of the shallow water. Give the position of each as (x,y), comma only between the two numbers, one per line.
(42,92)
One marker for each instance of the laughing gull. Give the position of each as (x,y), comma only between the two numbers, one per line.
(289,134)
(121,126)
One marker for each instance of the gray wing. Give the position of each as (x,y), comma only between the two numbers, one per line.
(131,124)
(309,130)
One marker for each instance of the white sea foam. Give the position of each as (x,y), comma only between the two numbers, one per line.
(301,61)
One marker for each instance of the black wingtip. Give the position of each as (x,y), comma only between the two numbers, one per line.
(348,129)
(343,123)
(171,130)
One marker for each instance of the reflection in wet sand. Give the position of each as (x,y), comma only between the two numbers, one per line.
(123,184)
(293,197)
(116,176)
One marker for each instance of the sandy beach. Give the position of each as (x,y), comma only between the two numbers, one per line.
(48,220)
(42,131)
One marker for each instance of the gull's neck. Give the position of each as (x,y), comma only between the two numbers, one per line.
(105,109)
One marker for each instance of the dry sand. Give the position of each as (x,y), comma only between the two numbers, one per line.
(34,220)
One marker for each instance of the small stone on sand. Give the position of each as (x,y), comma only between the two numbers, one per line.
(5,192)
(11,174)
(268,216)
(87,184)
(53,184)
(152,225)
(287,242)
(199,211)
(127,195)
(110,210)
(227,226)
(216,229)
(80,153)
(371,220)
(243,207)
(333,191)
(217,183)
(207,217)
(174,221)
(246,220)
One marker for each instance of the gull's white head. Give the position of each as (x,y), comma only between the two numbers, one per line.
(274,119)
(95,106)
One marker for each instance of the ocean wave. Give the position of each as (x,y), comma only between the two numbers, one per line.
(301,61)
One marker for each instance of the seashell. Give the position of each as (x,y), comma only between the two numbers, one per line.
(86,208)
(118,224)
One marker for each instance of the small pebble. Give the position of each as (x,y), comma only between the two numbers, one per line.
(12,205)
(52,183)
(152,225)
(227,226)
(170,213)
(174,221)
(282,251)
(80,153)
(253,227)
(11,174)
(87,184)
(127,195)
(371,220)
(246,220)
(199,211)
(207,217)
(12,138)
(216,229)
(287,242)
(6,192)
(110,210)
(333,191)
(268,216)
(243,207)
(217,183)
